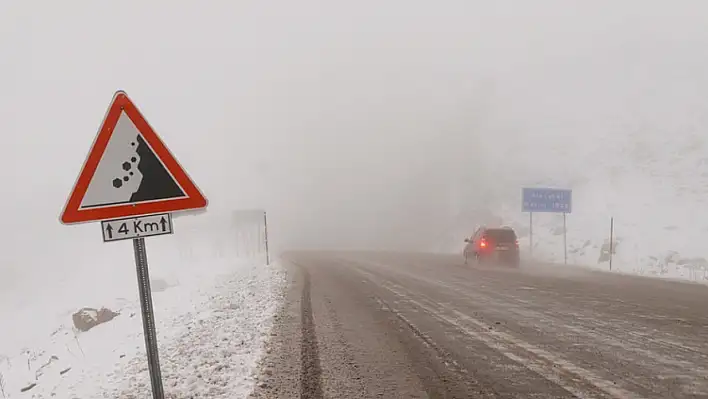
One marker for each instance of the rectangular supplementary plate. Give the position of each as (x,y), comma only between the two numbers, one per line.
(136,227)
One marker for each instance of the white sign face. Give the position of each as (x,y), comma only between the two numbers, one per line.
(136,227)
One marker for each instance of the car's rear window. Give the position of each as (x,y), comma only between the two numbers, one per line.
(501,235)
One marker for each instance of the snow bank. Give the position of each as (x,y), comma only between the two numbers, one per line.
(210,350)
(653,182)
(212,312)
(658,247)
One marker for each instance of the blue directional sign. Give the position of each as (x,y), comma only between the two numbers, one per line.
(546,200)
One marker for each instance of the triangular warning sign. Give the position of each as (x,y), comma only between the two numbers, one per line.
(129,172)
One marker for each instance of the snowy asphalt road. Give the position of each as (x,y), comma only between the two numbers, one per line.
(427,326)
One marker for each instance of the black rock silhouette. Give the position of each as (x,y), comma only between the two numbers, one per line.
(157,182)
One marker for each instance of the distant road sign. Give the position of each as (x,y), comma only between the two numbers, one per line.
(129,171)
(546,200)
(143,226)
(248,216)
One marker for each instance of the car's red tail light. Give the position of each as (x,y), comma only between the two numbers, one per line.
(483,244)
(517,243)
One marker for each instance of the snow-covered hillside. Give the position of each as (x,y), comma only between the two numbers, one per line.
(655,186)
(213,297)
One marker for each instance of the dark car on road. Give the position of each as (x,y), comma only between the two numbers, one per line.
(497,245)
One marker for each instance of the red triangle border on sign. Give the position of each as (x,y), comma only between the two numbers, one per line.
(72,212)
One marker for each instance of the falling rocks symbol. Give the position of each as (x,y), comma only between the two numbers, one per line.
(157,183)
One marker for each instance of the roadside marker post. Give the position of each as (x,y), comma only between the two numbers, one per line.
(550,200)
(265,236)
(531,234)
(565,240)
(131,183)
(612,238)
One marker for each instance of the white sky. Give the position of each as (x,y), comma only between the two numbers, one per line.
(344,119)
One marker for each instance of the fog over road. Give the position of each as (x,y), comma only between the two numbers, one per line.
(367,325)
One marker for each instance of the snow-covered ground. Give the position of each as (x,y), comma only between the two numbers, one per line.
(654,186)
(213,308)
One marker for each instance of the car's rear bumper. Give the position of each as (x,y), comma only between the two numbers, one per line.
(503,257)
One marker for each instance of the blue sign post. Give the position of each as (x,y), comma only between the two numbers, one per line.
(547,200)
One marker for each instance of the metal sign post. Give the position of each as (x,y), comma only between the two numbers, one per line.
(148,313)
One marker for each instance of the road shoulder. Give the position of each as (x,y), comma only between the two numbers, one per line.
(280,368)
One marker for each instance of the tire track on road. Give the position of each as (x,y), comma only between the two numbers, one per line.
(311,371)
